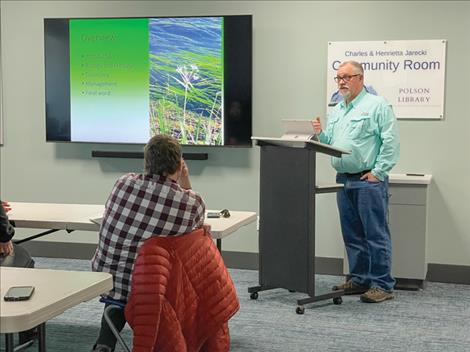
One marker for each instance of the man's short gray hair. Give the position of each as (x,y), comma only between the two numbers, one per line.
(162,155)
(356,65)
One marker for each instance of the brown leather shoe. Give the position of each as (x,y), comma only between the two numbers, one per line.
(350,288)
(376,295)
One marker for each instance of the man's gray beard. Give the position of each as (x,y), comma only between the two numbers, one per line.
(346,95)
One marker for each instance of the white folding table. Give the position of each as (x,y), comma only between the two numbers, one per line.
(52,298)
(55,291)
(70,217)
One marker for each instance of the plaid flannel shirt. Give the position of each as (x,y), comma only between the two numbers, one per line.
(139,207)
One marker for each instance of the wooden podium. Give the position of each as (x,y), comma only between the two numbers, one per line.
(287,217)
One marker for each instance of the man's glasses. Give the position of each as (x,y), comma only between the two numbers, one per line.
(346,78)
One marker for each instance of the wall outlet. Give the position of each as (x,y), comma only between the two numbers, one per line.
(257,223)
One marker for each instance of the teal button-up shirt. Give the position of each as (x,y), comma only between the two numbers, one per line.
(368,128)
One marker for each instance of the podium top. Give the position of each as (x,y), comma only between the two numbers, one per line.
(301,143)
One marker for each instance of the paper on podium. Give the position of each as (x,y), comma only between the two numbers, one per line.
(299,137)
(288,141)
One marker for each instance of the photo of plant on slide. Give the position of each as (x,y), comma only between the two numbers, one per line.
(186,79)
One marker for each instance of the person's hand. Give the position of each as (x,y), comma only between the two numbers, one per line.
(207,229)
(184,176)
(369,177)
(6,206)
(316,124)
(6,248)
(184,169)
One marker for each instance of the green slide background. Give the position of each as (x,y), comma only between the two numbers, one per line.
(109,77)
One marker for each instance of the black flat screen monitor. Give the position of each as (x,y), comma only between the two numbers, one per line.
(124,80)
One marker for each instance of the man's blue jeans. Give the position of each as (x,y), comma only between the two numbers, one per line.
(363,210)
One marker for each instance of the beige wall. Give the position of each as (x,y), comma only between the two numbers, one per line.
(290,48)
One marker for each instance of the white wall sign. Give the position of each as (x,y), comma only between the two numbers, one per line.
(410,74)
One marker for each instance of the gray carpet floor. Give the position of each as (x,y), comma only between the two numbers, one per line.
(434,319)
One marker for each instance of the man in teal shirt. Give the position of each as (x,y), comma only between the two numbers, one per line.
(366,125)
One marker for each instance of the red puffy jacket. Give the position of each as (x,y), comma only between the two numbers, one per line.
(182,296)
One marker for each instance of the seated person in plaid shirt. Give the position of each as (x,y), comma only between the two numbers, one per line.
(158,202)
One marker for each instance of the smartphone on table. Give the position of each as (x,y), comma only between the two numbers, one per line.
(19,293)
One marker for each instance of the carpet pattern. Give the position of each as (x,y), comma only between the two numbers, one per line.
(434,319)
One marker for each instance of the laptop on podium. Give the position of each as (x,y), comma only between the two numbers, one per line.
(298,129)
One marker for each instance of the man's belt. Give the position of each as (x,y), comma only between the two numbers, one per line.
(357,174)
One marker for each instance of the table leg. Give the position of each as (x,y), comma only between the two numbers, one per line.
(219,244)
(9,343)
(42,337)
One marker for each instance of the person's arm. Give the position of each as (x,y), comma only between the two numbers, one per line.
(6,230)
(207,229)
(316,124)
(6,248)
(183,180)
(322,135)
(6,206)
(200,211)
(390,149)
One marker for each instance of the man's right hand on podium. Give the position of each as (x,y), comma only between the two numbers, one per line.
(316,124)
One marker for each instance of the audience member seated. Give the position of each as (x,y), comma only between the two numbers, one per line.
(182,296)
(6,230)
(158,202)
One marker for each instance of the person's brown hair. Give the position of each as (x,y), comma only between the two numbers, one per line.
(162,155)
